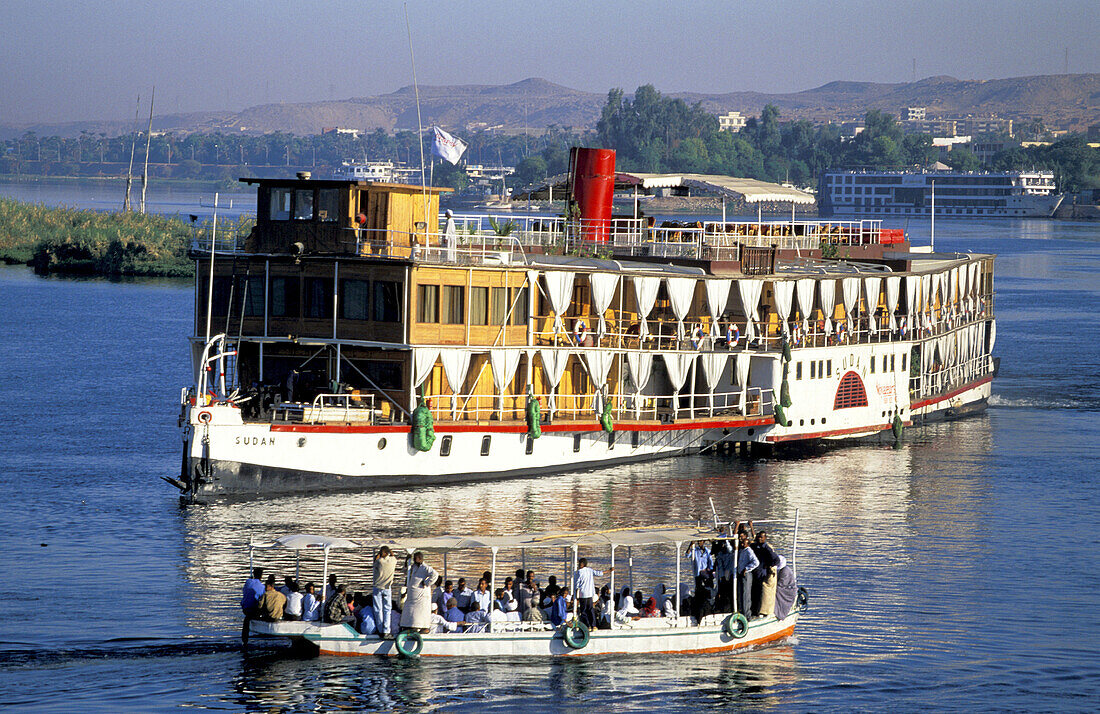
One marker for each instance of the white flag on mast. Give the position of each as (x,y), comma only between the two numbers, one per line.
(447,147)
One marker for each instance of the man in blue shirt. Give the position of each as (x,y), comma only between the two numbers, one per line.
(746,563)
(250,599)
(558,609)
(453,614)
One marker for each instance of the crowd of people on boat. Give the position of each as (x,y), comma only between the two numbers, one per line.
(738,572)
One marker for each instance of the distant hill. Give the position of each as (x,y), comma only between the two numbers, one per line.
(1068,100)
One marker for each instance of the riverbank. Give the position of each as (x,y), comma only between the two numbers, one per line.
(108,243)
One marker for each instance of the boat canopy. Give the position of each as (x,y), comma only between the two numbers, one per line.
(661,535)
(746,189)
(302,541)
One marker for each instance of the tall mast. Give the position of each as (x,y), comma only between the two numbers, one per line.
(148,135)
(133,143)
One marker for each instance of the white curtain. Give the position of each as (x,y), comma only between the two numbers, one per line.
(680,293)
(849,288)
(953,281)
(645,291)
(456,362)
(603,291)
(749,292)
(975,269)
(714,363)
(927,283)
(964,282)
(742,367)
(992,335)
(718,292)
(599,363)
(553,363)
(893,291)
(559,288)
(826,293)
(784,296)
(912,289)
(805,301)
(641,368)
(423,361)
(871,287)
(677,365)
(503,362)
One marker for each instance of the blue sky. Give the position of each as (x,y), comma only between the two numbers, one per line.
(72,60)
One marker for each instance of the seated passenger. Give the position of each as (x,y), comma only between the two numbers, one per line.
(336,609)
(440,623)
(604,609)
(273,603)
(463,594)
(311,609)
(558,609)
(509,596)
(476,619)
(626,605)
(442,597)
(293,602)
(497,614)
(649,609)
(453,614)
(365,615)
(528,596)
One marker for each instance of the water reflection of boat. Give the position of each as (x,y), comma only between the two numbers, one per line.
(504,634)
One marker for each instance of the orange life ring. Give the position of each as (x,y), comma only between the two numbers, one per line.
(205,416)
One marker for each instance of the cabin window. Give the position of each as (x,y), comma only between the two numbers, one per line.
(221,295)
(318,298)
(530,449)
(284,297)
(280,204)
(328,202)
(427,303)
(452,308)
(355,299)
(445,446)
(576,443)
(499,306)
(250,296)
(635,439)
(486,441)
(303,205)
(903,361)
(798,370)
(813,370)
(387,375)
(520,298)
(893,364)
(479,306)
(387,301)
(872,364)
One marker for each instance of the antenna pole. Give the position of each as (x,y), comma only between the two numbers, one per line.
(133,144)
(148,136)
(419,121)
(933,246)
(210,289)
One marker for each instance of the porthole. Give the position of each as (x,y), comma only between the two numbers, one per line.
(485,441)
(822,420)
(751,432)
(802,422)
(382,443)
(811,422)
(301,442)
(445,446)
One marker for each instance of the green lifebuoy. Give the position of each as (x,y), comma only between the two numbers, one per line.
(736,626)
(534,417)
(898,427)
(575,634)
(781,416)
(785,393)
(605,419)
(409,644)
(423,434)
(786,343)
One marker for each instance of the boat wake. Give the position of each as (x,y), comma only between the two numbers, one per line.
(128,648)
(997,401)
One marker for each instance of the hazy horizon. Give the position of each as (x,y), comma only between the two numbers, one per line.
(72,61)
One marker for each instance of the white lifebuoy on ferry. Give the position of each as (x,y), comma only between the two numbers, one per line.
(580,332)
(733,335)
(205,416)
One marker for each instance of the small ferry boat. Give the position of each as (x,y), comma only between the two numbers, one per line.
(954,194)
(675,630)
(357,339)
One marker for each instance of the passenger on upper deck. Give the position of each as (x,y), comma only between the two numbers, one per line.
(449,240)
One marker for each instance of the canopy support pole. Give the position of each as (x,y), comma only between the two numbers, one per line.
(493,573)
(794,546)
(444,567)
(611,602)
(324,584)
(630,568)
(736,575)
(572,583)
(680,544)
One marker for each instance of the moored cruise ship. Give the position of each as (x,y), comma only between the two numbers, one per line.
(353,342)
(1011,194)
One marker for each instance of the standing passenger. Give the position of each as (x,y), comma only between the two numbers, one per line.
(417,612)
(311,609)
(585,579)
(382,595)
(746,563)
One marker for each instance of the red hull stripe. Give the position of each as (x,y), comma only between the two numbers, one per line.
(519,428)
(834,432)
(957,392)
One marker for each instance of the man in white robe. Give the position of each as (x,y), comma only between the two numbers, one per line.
(417,613)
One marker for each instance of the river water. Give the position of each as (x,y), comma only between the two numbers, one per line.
(957,571)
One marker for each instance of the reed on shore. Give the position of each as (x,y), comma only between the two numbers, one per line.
(115,243)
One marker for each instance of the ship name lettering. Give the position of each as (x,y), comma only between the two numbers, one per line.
(254,441)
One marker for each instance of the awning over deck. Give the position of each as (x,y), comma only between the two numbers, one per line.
(746,189)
